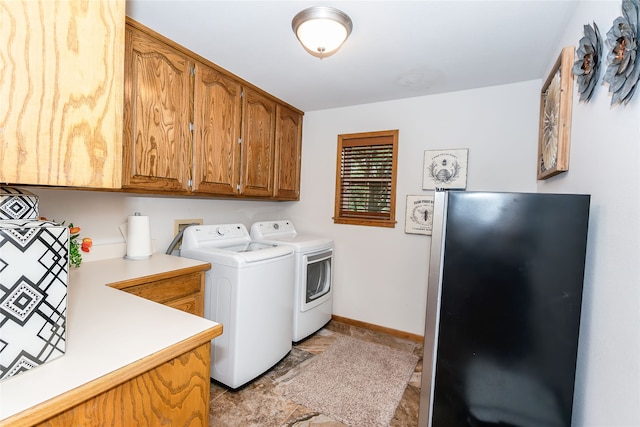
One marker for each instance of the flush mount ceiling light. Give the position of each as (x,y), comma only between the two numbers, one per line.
(321,30)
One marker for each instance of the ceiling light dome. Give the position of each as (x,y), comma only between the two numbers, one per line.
(321,30)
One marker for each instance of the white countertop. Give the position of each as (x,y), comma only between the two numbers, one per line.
(107,329)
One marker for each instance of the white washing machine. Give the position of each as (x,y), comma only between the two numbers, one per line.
(313,294)
(249,290)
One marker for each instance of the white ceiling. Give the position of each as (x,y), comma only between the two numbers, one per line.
(398,49)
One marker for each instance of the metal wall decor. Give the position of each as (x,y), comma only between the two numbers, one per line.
(555,117)
(623,71)
(588,58)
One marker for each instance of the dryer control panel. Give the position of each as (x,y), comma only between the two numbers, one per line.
(273,229)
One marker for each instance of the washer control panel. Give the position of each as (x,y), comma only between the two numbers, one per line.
(228,231)
(199,235)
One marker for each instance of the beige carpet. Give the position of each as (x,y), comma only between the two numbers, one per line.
(355,382)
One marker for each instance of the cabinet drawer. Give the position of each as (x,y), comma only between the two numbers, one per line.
(184,292)
(168,289)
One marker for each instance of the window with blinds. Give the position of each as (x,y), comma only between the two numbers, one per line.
(366,178)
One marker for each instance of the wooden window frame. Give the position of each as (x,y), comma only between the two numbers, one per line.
(369,139)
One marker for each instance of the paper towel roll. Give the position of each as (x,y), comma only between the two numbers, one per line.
(138,237)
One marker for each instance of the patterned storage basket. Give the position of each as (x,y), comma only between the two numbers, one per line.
(33,293)
(16,203)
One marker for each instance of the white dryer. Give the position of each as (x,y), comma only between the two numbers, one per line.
(249,290)
(313,294)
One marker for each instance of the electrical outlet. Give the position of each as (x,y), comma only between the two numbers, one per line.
(181,224)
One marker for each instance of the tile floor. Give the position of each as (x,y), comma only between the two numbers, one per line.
(260,404)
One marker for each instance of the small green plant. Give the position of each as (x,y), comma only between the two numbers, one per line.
(76,245)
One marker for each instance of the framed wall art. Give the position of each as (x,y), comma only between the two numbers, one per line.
(445,169)
(419,215)
(555,117)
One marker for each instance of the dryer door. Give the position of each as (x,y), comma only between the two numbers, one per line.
(318,277)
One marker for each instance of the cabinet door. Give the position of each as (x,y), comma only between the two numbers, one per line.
(258,143)
(216,152)
(288,153)
(156,114)
(175,392)
(61,86)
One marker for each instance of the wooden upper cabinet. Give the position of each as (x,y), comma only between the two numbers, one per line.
(288,153)
(157,137)
(61,86)
(258,143)
(216,151)
(191,127)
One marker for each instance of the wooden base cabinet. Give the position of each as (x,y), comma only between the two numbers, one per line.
(181,289)
(193,128)
(174,393)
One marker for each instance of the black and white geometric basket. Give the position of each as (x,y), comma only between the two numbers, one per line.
(33,293)
(16,203)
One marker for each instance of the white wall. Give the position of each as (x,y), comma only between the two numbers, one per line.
(604,162)
(381,273)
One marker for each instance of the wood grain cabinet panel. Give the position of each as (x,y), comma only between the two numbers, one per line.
(190,304)
(182,291)
(61,84)
(216,158)
(174,393)
(184,119)
(156,114)
(258,144)
(288,153)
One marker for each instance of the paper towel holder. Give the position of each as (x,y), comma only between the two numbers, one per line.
(138,239)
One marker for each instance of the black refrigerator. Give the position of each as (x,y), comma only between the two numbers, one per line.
(503,309)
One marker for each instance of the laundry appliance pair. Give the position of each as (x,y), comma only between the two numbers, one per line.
(268,288)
